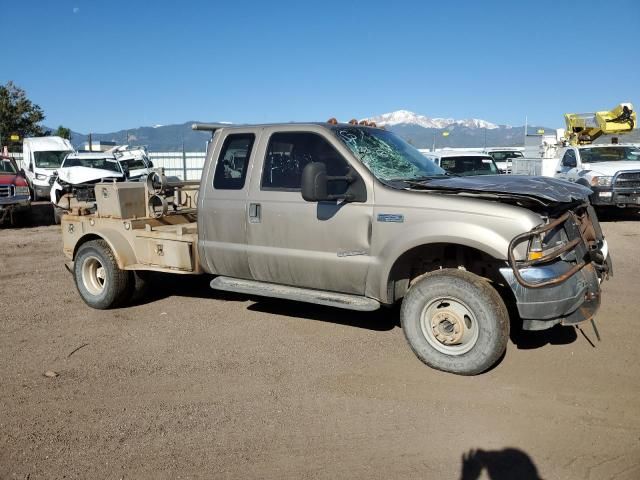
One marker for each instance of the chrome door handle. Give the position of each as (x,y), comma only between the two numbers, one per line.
(254,213)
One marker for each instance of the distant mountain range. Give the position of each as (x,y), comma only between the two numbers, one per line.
(420,130)
(160,138)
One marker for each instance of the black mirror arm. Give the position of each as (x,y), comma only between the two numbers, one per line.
(347,178)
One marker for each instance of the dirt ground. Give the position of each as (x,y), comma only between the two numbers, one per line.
(189,383)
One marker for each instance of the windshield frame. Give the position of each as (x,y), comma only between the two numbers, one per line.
(89,160)
(493,170)
(12,165)
(61,154)
(370,144)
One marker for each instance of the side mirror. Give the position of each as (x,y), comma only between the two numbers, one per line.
(315,185)
(150,164)
(22,173)
(30,167)
(315,182)
(125,170)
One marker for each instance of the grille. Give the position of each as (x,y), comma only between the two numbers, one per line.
(628,180)
(5,191)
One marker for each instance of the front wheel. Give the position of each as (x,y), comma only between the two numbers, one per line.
(99,280)
(455,321)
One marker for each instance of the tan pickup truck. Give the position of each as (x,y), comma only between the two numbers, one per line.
(350,215)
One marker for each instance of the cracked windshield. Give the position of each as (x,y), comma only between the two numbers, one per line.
(386,155)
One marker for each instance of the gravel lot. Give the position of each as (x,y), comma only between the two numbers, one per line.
(190,383)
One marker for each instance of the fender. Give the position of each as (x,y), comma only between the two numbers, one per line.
(459,233)
(121,248)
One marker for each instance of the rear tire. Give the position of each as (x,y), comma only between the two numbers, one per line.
(101,284)
(455,321)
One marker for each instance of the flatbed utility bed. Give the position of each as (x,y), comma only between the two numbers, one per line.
(168,243)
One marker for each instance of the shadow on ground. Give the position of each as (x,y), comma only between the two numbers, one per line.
(40,215)
(158,286)
(615,214)
(506,464)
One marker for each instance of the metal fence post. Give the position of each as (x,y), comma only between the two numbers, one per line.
(184,164)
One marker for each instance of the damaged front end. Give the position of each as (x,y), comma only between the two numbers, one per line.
(559,280)
(556,276)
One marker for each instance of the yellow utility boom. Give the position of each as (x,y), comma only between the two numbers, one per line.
(584,128)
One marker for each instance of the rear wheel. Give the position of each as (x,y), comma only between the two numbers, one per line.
(455,321)
(99,281)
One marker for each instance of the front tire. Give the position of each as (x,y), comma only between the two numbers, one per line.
(455,321)
(101,284)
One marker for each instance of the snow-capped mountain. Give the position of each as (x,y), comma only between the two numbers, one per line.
(405,117)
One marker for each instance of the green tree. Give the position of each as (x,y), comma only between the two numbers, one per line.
(63,132)
(18,114)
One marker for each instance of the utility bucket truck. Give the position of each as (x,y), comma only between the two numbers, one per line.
(611,169)
(351,216)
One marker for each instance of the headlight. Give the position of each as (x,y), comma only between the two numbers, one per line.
(601,181)
(546,244)
(22,191)
(40,176)
(535,248)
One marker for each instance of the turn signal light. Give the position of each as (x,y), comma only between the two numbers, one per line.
(535,255)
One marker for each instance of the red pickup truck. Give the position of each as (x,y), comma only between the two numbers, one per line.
(15,198)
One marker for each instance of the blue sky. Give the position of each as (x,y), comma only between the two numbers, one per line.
(107,65)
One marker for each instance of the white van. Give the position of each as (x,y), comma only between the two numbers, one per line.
(42,156)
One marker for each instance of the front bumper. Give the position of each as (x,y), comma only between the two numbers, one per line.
(602,197)
(562,287)
(16,202)
(573,301)
(42,191)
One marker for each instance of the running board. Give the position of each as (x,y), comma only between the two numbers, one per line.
(320,297)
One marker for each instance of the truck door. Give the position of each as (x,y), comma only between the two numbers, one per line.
(323,245)
(567,168)
(222,208)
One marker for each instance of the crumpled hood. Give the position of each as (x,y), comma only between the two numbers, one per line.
(609,169)
(546,188)
(78,175)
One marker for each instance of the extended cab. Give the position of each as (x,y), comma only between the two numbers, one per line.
(352,216)
(612,171)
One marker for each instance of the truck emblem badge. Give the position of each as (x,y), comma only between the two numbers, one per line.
(390,217)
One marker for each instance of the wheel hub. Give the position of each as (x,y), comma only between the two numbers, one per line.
(448,327)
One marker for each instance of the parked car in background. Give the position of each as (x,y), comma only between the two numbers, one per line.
(464,163)
(503,157)
(15,197)
(42,156)
(80,171)
(611,171)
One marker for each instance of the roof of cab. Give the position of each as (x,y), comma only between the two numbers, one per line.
(212,127)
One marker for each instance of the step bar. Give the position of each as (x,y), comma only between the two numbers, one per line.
(320,297)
